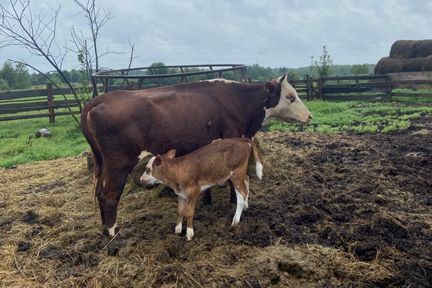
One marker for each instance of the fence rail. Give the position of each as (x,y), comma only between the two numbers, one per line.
(49,103)
(14,103)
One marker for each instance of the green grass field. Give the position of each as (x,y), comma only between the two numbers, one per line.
(329,117)
(16,146)
(356,116)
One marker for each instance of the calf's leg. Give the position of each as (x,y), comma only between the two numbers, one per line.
(233,196)
(242,195)
(189,211)
(180,210)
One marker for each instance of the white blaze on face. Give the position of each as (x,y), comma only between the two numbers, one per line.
(147,177)
(290,106)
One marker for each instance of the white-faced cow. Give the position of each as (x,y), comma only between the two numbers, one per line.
(120,125)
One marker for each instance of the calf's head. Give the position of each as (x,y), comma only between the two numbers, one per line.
(155,169)
(289,107)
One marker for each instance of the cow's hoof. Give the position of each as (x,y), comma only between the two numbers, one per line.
(105,231)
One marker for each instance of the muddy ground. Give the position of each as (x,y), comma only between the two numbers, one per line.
(332,211)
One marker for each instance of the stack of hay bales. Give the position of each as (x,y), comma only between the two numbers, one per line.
(407,56)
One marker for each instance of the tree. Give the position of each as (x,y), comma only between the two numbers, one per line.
(36,32)
(7,73)
(14,77)
(359,69)
(323,66)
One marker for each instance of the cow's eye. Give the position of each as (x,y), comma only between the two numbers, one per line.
(147,170)
(291,98)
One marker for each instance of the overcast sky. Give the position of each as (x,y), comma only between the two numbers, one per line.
(271,33)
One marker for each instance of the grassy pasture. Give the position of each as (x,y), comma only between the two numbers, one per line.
(16,146)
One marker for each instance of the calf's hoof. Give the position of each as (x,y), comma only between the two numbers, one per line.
(189,234)
(235,222)
(178,229)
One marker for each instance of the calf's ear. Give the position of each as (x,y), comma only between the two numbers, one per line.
(158,161)
(170,154)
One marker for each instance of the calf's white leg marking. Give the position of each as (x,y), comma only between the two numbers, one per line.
(178,228)
(259,169)
(240,206)
(189,234)
(111,230)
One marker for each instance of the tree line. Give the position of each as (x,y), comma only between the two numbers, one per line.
(16,76)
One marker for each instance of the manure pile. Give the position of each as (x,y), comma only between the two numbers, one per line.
(407,56)
(332,210)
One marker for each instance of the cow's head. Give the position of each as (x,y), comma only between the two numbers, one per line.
(289,107)
(154,172)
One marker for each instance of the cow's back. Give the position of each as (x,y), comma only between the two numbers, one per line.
(184,117)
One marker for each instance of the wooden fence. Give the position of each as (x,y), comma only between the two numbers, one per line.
(50,103)
(371,87)
(36,103)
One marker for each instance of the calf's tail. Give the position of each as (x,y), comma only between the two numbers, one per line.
(258,157)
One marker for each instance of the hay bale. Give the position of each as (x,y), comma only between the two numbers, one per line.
(402,49)
(411,49)
(394,65)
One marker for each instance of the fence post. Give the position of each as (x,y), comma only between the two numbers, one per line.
(320,88)
(308,88)
(94,84)
(50,97)
(389,88)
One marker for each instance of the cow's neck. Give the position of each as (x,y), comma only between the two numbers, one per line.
(171,176)
(256,103)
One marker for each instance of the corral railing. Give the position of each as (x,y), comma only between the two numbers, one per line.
(145,77)
(367,87)
(36,103)
(49,102)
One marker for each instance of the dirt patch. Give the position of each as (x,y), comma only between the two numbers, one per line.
(332,210)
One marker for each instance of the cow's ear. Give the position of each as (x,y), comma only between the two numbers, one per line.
(270,87)
(158,161)
(171,154)
(282,78)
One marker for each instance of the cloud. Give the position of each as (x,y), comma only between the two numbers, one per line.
(271,33)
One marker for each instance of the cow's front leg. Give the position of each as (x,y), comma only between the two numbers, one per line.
(180,213)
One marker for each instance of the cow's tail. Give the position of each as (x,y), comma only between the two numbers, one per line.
(256,150)
(89,134)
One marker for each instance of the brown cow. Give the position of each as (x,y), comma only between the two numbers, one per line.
(121,125)
(213,164)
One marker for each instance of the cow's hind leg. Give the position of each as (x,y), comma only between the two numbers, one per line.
(109,192)
(207,199)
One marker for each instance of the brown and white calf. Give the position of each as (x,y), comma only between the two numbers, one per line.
(216,163)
